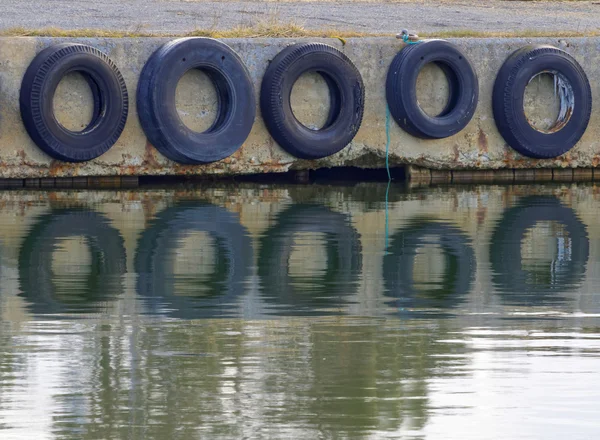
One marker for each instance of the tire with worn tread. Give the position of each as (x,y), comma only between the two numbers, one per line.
(508,101)
(158,111)
(346,93)
(401,89)
(110,105)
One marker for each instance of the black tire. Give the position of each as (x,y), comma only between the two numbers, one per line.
(111,102)
(346,91)
(508,100)
(399,260)
(401,89)
(158,243)
(344,262)
(520,287)
(158,112)
(105,281)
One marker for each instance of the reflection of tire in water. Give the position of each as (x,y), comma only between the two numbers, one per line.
(210,295)
(310,294)
(399,265)
(540,284)
(108,263)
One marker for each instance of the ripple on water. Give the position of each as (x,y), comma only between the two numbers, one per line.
(302,311)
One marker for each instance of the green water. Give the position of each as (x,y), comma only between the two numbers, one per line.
(303,311)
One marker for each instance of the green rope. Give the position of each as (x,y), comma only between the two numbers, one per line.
(387,167)
(387,144)
(406,37)
(387,237)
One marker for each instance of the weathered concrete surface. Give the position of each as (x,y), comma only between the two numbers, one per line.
(478,146)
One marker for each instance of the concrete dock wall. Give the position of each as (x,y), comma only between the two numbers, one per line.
(478,146)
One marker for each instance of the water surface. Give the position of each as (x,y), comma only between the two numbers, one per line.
(301,311)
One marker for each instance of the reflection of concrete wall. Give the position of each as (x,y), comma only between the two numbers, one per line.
(474,211)
(478,146)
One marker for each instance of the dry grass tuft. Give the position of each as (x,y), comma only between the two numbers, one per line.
(72,33)
(271,28)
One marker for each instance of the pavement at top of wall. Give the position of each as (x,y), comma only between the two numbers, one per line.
(365,16)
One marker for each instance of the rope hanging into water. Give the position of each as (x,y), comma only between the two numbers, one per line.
(387,143)
(406,38)
(387,167)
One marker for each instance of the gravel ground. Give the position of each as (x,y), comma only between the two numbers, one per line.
(372,17)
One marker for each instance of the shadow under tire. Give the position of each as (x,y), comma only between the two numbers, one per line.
(110,102)
(508,101)
(401,89)
(157,108)
(108,264)
(346,92)
(518,286)
(399,262)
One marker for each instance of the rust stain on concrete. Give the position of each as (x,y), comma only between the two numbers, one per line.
(149,159)
(482,141)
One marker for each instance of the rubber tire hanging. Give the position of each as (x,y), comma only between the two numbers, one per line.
(508,102)
(346,93)
(110,102)
(158,112)
(401,89)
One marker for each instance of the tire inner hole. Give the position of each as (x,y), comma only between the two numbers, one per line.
(311,101)
(548,101)
(433,90)
(73,102)
(197,100)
